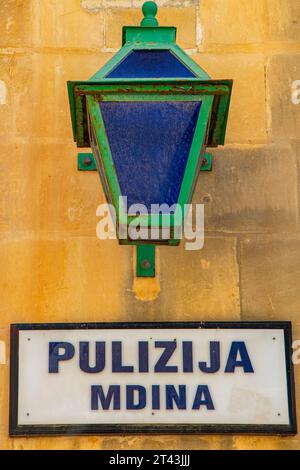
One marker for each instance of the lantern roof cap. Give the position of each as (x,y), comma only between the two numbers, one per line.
(150,11)
(149,30)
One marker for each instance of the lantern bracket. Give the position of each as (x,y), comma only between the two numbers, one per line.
(145,260)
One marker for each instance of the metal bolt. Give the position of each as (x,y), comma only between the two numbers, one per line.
(206,199)
(145,264)
(87,161)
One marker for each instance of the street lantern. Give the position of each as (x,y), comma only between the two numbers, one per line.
(148,115)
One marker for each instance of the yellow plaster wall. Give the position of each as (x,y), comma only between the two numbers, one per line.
(52,267)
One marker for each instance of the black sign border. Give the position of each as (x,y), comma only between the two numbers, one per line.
(95,429)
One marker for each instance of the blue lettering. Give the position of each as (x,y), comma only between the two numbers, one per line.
(55,357)
(155,397)
(187,356)
(214,359)
(105,401)
(84,362)
(173,396)
(130,402)
(117,365)
(143,356)
(169,347)
(238,347)
(206,401)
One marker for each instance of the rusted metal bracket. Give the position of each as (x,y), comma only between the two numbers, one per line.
(86,162)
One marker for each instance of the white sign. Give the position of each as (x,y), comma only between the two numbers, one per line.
(150,375)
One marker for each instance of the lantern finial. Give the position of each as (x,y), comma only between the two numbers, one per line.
(150,12)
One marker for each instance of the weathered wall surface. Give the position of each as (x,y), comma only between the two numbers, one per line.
(53,269)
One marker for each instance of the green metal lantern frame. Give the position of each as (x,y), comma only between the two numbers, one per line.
(89,129)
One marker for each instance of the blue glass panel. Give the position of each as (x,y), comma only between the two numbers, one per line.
(150,144)
(151,64)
